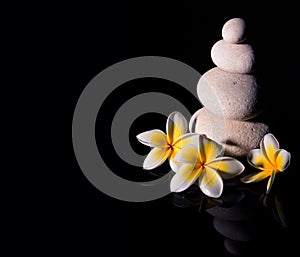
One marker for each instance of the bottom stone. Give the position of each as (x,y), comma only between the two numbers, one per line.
(237,137)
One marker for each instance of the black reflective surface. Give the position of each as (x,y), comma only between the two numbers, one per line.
(59,212)
(250,221)
(244,220)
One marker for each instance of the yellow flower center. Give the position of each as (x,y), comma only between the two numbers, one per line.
(170,146)
(199,164)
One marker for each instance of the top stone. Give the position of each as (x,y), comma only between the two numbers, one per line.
(234,31)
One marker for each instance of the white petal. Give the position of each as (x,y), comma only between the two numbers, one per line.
(256,176)
(176,126)
(188,154)
(269,145)
(211,183)
(270,181)
(186,139)
(175,166)
(153,138)
(192,120)
(227,167)
(184,178)
(209,149)
(190,138)
(283,159)
(257,159)
(156,157)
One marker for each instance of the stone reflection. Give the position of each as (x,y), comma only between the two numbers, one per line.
(248,219)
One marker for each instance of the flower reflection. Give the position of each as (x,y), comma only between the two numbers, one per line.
(249,220)
(275,202)
(194,197)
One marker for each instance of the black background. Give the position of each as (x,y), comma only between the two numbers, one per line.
(62,213)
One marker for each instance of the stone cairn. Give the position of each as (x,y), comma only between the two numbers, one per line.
(229,93)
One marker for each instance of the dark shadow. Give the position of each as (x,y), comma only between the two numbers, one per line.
(251,222)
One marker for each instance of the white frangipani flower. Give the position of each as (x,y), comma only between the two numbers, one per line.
(166,145)
(269,159)
(203,160)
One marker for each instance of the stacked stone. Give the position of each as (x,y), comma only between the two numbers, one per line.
(229,94)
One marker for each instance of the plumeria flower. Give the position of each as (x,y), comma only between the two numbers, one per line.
(166,145)
(203,160)
(269,159)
